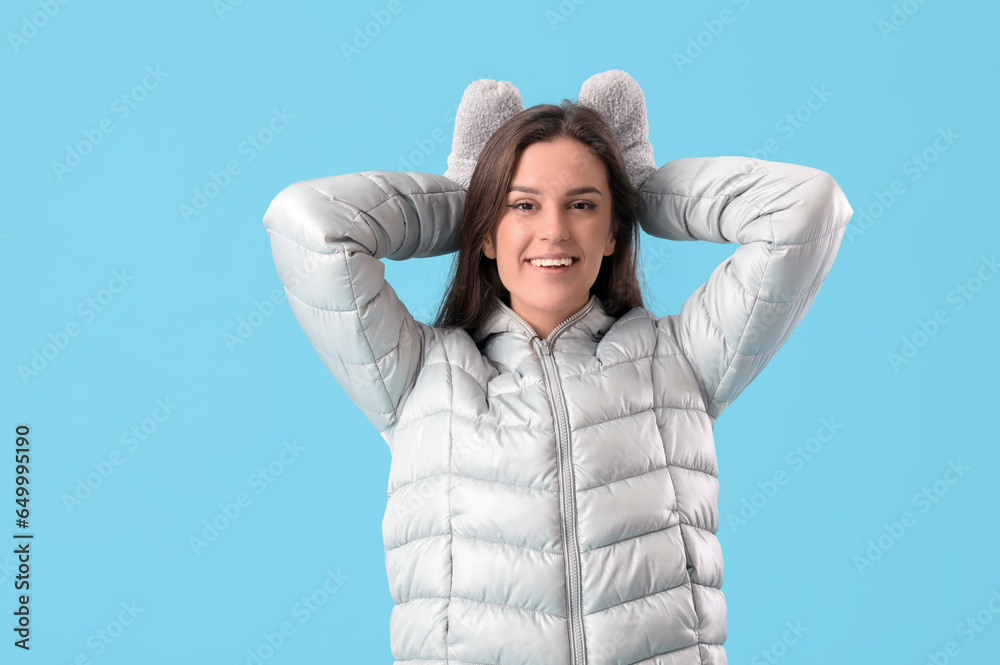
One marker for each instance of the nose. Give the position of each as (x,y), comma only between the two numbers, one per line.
(553,223)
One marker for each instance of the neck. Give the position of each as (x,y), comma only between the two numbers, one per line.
(544,321)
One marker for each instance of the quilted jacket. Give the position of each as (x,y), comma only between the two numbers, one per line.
(555,501)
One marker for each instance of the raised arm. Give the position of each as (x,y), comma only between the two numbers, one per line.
(328,236)
(789,221)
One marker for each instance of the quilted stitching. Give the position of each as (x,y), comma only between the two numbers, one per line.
(474,543)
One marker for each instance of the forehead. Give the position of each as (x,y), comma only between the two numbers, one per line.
(559,164)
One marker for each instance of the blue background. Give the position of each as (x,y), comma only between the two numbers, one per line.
(224,72)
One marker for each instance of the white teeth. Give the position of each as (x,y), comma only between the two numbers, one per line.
(551,262)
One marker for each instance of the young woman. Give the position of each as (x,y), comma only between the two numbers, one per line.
(553,493)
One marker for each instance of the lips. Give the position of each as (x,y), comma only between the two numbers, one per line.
(553,256)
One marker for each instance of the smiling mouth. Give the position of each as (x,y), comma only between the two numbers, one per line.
(552,263)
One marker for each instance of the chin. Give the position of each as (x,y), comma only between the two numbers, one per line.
(554,303)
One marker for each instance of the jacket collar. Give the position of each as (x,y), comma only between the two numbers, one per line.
(591,321)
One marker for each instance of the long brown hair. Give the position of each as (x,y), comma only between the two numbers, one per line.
(475,281)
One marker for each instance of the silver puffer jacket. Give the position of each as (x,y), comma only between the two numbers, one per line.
(555,501)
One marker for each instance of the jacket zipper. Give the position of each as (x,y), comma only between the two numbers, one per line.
(567,488)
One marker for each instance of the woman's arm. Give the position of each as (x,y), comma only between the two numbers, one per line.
(328,236)
(789,221)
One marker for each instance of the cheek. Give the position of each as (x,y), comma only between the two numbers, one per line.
(508,264)
(510,242)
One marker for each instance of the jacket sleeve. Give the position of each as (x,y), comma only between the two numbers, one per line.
(789,221)
(328,236)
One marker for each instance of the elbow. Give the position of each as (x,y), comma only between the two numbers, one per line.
(313,213)
(799,203)
(824,209)
(284,215)
(836,202)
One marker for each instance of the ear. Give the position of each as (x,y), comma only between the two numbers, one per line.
(609,248)
(488,249)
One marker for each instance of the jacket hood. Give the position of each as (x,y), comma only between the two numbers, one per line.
(505,337)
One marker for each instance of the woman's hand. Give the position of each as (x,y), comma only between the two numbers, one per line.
(619,99)
(485,106)
(488,104)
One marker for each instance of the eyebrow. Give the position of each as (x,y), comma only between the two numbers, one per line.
(569,192)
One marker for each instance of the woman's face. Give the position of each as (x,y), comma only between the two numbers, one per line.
(558,205)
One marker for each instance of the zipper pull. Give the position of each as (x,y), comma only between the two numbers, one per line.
(542,345)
